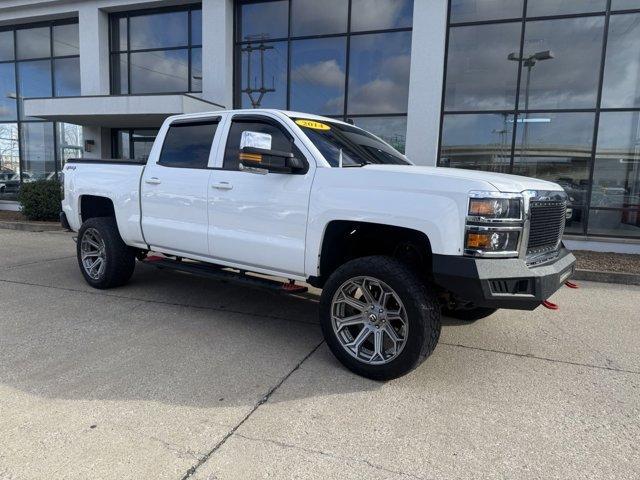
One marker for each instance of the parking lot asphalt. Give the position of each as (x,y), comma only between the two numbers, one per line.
(173,376)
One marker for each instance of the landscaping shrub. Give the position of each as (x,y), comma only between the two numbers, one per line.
(40,200)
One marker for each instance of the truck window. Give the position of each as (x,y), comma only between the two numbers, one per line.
(279,141)
(187,145)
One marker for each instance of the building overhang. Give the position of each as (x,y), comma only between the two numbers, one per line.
(116,111)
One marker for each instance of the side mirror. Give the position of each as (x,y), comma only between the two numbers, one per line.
(274,161)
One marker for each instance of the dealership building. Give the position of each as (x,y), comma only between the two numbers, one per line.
(543,88)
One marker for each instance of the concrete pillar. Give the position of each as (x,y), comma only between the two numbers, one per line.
(94,50)
(425,87)
(217,51)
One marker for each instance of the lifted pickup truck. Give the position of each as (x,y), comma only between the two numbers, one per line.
(312,199)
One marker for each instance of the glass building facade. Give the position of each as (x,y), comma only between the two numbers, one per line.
(549,89)
(347,59)
(38,60)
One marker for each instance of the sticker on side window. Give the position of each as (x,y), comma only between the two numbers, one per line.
(313,124)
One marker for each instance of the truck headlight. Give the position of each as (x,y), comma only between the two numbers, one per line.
(491,240)
(494,224)
(495,208)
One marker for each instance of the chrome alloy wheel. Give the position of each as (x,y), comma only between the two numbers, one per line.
(369,320)
(93,255)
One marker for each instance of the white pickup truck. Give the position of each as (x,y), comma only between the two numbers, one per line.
(311,199)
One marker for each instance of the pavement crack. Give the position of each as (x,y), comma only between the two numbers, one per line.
(546,359)
(159,302)
(262,401)
(46,260)
(331,455)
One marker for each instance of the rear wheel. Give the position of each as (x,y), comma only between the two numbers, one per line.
(469,314)
(104,259)
(378,317)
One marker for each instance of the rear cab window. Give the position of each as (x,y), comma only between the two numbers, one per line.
(187,144)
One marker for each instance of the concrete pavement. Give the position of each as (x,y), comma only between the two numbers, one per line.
(174,376)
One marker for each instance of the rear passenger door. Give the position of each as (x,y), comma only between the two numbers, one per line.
(259,220)
(175,189)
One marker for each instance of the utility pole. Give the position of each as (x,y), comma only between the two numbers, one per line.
(262,89)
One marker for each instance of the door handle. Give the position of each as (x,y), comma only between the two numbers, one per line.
(153,181)
(222,186)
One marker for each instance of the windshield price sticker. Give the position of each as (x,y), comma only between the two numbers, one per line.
(313,124)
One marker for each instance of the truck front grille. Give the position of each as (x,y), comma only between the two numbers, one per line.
(546,227)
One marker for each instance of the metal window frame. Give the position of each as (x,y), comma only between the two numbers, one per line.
(586,207)
(128,14)
(348,34)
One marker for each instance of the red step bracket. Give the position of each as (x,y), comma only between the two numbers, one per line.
(571,285)
(550,305)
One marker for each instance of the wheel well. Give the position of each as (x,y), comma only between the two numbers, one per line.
(92,206)
(346,240)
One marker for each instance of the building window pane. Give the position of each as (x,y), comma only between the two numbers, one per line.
(477,10)
(8,93)
(119,74)
(34,80)
(310,17)
(616,175)
(159,71)
(540,8)
(121,144)
(274,80)
(479,74)
(392,130)
(159,30)
(37,148)
(65,40)
(9,161)
(379,73)
(556,147)
(477,141)
(318,75)
(33,43)
(196,27)
(624,4)
(6,45)
(621,86)
(66,77)
(119,34)
(70,142)
(615,223)
(381,14)
(561,63)
(142,141)
(264,20)
(196,70)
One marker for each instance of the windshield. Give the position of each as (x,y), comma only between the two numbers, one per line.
(349,146)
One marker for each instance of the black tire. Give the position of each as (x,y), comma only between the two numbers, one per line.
(120,259)
(421,306)
(469,314)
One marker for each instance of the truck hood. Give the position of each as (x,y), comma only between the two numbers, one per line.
(501,181)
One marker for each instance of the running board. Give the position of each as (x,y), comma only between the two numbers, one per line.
(221,273)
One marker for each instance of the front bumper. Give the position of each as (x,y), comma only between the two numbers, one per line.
(502,283)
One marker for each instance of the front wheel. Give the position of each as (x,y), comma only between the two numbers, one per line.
(104,259)
(379,318)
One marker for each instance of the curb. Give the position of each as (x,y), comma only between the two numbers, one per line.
(31,226)
(607,277)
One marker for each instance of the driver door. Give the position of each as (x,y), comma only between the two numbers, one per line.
(259,219)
